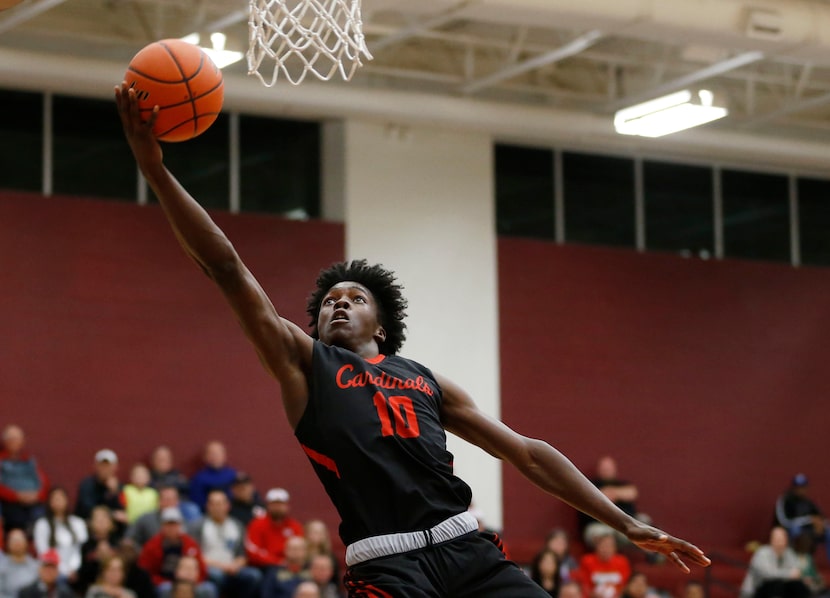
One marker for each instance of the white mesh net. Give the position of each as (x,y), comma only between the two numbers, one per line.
(297,37)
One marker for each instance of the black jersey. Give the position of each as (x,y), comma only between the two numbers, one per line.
(372,430)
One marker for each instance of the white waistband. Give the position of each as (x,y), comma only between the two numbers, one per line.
(378,546)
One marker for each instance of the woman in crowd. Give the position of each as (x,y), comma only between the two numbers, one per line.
(101,545)
(545,572)
(559,543)
(58,529)
(110,582)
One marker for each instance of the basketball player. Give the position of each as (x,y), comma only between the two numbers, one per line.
(373,423)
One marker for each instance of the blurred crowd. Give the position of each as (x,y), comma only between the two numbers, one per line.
(163,534)
(160,534)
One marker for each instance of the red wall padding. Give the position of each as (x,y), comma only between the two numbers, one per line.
(707,380)
(112,337)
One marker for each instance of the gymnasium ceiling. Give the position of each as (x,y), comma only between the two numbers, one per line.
(576,60)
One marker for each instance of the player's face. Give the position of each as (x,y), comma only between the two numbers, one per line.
(349,316)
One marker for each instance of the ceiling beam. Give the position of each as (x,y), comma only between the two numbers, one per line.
(25,12)
(719,68)
(576,46)
(425,25)
(790,108)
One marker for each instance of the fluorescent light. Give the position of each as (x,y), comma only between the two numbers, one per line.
(669,114)
(217,52)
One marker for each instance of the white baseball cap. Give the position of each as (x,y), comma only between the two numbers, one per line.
(277,495)
(106,455)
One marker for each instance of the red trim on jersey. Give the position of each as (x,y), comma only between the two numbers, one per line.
(320,458)
(361,589)
(376,359)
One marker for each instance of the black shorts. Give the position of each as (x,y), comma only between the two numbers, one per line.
(471,566)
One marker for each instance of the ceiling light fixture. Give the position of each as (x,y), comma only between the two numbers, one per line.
(217,52)
(669,114)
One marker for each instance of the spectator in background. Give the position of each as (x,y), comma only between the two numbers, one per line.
(693,589)
(137,578)
(559,543)
(110,582)
(23,485)
(102,488)
(282,580)
(149,524)
(245,501)
(798,514)
(321,568)
(216,474)
(163,473)
(62,532)
(307,589)
(774,570)
(570,589)
(139,496)
(268,534)
(48,584)
(18,569)
(190,574)
(222,540)
(318,537)
(101,544)
(544,570)
(810,575)
(161,554)
(621,492)
(637,587)
(604,572)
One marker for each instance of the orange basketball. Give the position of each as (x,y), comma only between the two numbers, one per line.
(183,82)
(4,4)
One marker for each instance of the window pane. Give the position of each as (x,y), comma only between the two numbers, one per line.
(91,156)
(678,202)
(201,164)
(756,222)
(599,199)
(280,166)
(524,192)
(21,141)
(814,221)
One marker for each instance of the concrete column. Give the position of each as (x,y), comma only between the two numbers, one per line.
(421,202)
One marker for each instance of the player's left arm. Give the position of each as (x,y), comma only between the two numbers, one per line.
(554,473)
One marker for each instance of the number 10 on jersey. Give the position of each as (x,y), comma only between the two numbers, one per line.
(402,413)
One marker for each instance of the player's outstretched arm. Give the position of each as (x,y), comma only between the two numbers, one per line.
(283,347)
(554,473)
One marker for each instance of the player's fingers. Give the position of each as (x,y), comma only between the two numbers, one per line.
(692,552)
(675,558)
(122,102)
(153,116)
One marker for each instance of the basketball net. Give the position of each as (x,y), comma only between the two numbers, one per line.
(298,37)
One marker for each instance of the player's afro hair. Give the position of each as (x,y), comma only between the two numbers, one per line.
(386,292)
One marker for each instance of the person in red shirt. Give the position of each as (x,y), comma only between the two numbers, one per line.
(604,572)
(23,485)
(160,555)
(267,533)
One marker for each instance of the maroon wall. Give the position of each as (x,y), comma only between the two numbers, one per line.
(112,337)
(706,380)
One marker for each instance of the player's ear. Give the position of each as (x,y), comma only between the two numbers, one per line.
(380,334)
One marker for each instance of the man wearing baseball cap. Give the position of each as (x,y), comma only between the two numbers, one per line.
(48,584)
(102,488)
(161,554)
(799,515)
(267,533)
